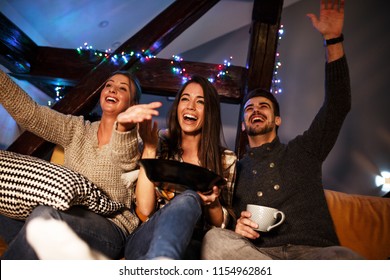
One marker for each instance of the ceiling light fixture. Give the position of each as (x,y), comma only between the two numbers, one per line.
(103,23)
(116,44)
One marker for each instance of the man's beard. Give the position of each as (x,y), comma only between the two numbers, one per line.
(254,131)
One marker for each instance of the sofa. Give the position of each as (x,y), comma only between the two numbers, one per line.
(362,222)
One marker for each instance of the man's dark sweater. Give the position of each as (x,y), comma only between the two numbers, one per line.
(289,177)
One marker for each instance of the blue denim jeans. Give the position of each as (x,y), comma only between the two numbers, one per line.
(9,228)
(168,232)
(97,231)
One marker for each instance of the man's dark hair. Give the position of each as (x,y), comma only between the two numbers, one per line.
(264,93)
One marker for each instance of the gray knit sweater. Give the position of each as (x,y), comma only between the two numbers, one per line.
(289,177)
(78,137)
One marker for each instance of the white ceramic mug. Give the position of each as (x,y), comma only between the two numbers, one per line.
(265,217)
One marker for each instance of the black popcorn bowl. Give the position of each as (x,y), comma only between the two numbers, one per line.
(183,175)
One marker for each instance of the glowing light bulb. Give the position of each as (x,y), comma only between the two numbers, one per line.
(383,181)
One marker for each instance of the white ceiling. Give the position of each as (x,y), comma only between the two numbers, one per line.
(106,24)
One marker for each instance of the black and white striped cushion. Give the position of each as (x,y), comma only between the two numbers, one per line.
(26,182)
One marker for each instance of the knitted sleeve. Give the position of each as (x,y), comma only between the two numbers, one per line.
(125,149)
(322,134)
(40,120)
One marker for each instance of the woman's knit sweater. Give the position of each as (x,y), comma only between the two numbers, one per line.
(79,139)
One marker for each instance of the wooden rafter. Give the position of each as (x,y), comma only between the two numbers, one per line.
(157,78)
(261,55)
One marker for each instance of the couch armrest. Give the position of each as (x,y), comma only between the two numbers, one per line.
(362,223)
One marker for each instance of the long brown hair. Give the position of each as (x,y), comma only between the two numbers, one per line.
(210,148)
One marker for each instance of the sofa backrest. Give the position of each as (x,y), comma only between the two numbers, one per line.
(362,223)
(58,155)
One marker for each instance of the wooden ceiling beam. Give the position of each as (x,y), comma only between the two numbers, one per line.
(262,53)
(65,67)
(17,51)
(156,77)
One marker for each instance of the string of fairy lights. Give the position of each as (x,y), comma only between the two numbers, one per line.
(276,86)
(221,72)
